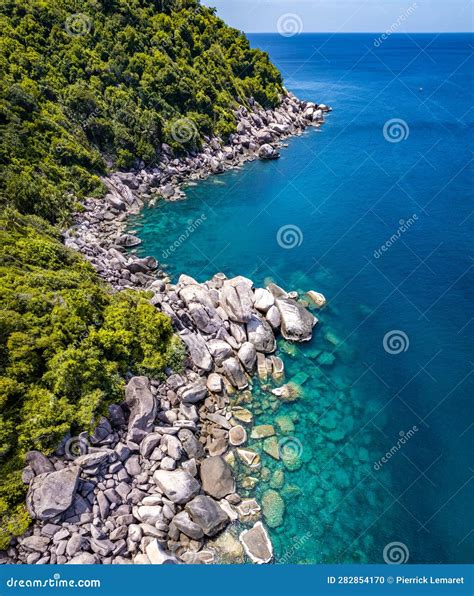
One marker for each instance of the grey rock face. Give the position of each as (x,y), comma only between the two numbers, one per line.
(179,486)
(52,493)
(207,514)
(142,405)
(217,477)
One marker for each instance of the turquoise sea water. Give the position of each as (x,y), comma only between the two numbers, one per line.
(349,191)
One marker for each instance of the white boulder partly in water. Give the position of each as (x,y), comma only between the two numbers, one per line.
(257,544)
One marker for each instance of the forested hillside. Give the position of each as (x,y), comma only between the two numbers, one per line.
(106,86)
(87,88)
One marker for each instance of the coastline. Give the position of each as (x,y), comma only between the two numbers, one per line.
(165,484)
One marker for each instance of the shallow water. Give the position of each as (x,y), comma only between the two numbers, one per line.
(347,192)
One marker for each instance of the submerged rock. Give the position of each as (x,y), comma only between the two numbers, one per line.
(317,298)
(262,431)
(273,508)
(289,392)
(257,544)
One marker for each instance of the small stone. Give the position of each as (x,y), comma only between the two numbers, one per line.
(242,414)
(237,435)
(249,458)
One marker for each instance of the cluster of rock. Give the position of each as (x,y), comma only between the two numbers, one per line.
(155,482)
(98,231)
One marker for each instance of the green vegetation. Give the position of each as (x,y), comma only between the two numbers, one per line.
(105,82)
(66,344)
(84,88)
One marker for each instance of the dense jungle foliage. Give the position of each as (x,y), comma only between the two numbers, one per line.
(86,87)
(66,343)
(89,84)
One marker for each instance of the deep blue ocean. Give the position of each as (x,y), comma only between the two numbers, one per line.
(382,224)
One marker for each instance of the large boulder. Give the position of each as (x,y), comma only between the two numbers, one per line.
(157,555)
(248,356)
(235,373)
(179,486)
(197,350)
(206,320)
(266,151)
(220,350)
(51,494)
(194,392)
(217,477)
(194,449)
(257,544)
(260,334)
(263,299)
(185,525)
(236,298)
(296,322)
(142,404)
(38,462)
(207,514)
(200,307)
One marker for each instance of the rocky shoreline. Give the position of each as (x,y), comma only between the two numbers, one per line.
(156,482)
